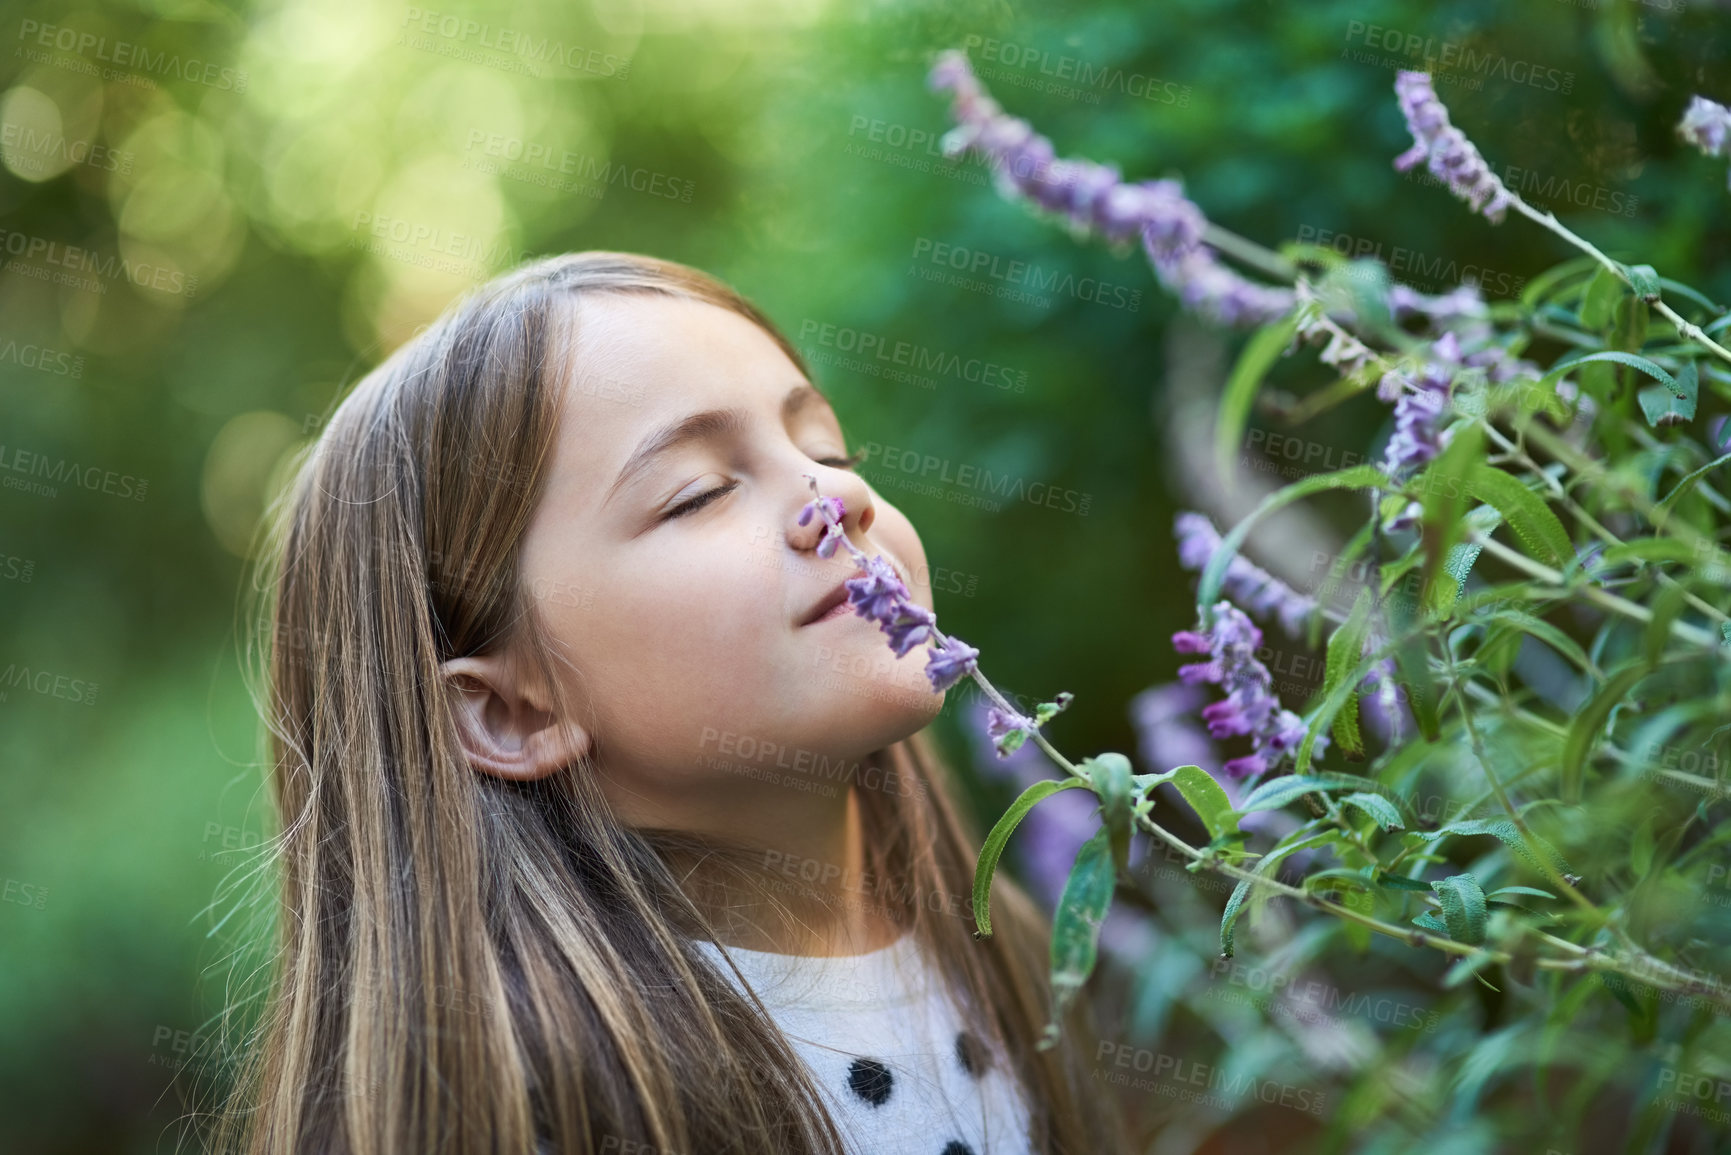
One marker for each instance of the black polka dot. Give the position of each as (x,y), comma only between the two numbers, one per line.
(870,1080)
(971,1054)
(957,1147)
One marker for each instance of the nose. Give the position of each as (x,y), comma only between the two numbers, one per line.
(847,487)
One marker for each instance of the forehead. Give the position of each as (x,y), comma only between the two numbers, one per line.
(638,363)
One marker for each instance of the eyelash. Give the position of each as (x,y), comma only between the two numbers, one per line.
(703,499)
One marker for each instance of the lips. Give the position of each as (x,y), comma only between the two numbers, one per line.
(826,603)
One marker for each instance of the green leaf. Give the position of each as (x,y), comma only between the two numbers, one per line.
(1641,848)
(1545,632)
(1503,830)
(1431,923)
(1650,368)
(1466,967)
(1531,519)
(1647,549)
(1110,775)
(1076,926)
(1345,648)
(1662,406)
(1265,868)
(1539,289)
(1384,812)
(1444,485)
(1230,915)
(1206,798)
(1463,908)
(1587,726)
(1600,300)
(1260,353)
(993,849)
(1400,882)
(1534,891)
(1645,281)
(1357,477)
(1277,792)
(1663,511)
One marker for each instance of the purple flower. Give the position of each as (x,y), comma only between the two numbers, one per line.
(879,595)
(1250,707)
(1002,724)
(949,665)
(1246,583)
(1094,197)
(1382,693)
(1707,126)
(1448,154)
(1463,302)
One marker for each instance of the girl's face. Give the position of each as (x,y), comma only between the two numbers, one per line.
(674,578)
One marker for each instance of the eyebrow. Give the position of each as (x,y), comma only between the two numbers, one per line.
(704,426)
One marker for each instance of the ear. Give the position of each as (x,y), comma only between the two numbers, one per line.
(505,720)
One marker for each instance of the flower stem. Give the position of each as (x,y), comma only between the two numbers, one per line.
(1688,329)
(1610,601)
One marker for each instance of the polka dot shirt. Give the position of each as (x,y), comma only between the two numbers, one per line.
(900,1071)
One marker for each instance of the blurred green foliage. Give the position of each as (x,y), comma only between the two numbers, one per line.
(298,185)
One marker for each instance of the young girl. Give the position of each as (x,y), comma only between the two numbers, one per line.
(602,828)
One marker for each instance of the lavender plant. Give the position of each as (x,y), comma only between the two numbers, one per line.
(1569,636)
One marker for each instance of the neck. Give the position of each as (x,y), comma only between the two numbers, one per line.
(802,888)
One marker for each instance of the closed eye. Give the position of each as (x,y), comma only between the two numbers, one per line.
(703,499)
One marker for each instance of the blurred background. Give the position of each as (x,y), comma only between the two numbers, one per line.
(214,218)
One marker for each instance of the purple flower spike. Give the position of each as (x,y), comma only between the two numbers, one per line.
(1093,197)
(1251,706)
(1448,154)
(949,665)
(1246,583)
(1707,126)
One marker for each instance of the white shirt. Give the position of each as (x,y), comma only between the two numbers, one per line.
(899,1070)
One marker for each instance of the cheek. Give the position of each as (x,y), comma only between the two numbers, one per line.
(898,536)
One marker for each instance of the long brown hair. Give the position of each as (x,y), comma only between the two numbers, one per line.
(464,963)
